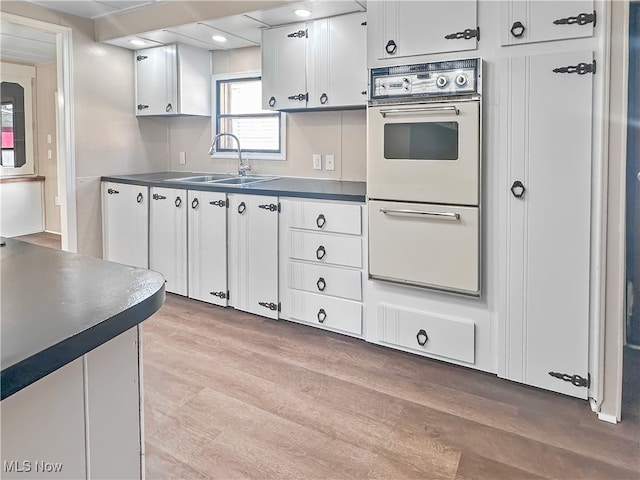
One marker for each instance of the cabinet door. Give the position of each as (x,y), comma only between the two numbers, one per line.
(253,254)
(283,67)
(168,237)
(125,224)
(156,81)
(408,28)
(547,141)
(528,21)
(207,221)
(337,62)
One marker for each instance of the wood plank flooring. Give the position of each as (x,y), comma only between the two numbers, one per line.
(232,395)
(44,239)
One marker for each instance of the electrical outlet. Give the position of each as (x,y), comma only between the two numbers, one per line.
(49,154)
(56,200)
(49,138)
(330,162)
(183,158)
(317,161)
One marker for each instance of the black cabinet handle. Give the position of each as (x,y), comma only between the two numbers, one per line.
(580,69)
(218,294)
(298,34)
(141,57)
(320,221)
(300,97)
(111,191)
(168,108)
(422,338)
(242,208)
(467,34)
(517,189)
(158,197)
(391,47)
(178,202)
(142,107)
(272,101)
(320,252)
(581,19)
(321,284)
(219,203)
(139,198)
(194,203)
(270,305)
(363,92)
(272,207)
(323,98)
(517,29)
(322,315)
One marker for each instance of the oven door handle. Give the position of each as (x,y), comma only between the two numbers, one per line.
(433,109)
(419,213)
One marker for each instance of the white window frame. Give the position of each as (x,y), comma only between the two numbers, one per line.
(248,155)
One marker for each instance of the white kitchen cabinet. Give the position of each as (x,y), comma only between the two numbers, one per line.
(546,144)
(125,224)
(252,254)
(318,64)
(207,240)
(322,262)
(529,21)
(168,237)
(400,28)
(173,80)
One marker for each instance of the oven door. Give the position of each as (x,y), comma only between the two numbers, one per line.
(435,246)
(424,152)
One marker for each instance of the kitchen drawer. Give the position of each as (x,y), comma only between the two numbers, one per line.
(323,248)
(326,217)
(338,282)
(435,246)
(427,333)
(319,310)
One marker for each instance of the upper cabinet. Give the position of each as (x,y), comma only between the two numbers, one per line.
(319,64)
(173,80)
(532,21)
(408,28)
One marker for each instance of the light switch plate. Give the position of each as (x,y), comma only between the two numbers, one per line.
(183,158)
(317,161)
(330,162)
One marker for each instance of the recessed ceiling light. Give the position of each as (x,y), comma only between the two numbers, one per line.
(219,38)
(302,12)
(137,43)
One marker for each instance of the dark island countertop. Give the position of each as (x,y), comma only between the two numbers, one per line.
(280,187)
(56,306)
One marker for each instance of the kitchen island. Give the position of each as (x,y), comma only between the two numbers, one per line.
(71,385)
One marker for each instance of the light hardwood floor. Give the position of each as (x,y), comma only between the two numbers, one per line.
(44,239)
(232,395)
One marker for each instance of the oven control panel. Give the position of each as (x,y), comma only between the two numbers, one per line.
(437,79)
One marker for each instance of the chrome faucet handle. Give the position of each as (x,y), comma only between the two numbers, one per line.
(243,168)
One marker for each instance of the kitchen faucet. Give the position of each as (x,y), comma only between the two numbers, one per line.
(243,168)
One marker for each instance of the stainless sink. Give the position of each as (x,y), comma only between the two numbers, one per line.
(198,179)
(243,180)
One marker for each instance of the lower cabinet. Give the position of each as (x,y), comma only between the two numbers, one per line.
(252,246)
(207,232)
(321,262)
(168,237)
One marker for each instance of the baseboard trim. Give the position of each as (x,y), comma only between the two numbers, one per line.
(607,418)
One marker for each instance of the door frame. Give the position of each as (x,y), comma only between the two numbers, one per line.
(65,124)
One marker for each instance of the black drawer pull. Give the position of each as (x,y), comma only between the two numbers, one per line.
(218,203)
(139,198)
(157,196)
(517,189)
(218,294)
(272,101)
(320,221)
(517,29)
(321,284)
(422,338)
(322,315)
(391,47)
(323,98)
(320,252)
(178,202)
(194,203)
(111,191)
(242,208)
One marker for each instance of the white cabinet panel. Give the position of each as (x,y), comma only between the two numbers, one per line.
(207,232)
(252,250)
(125,224)
(529,21)
(548,146)
(325,216)
(426,333)
(168,237)
(322,311)
(337,282)
(325,248)
(400,28)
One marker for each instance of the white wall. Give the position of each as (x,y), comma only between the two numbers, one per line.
(20,208)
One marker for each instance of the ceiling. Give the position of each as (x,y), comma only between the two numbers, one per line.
(19,44)
(93,8)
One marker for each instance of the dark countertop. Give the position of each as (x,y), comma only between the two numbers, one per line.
(281,187)
(56,306)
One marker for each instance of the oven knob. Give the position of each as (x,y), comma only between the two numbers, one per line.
(441,81)
(461,80)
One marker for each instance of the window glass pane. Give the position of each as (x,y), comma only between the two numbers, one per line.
(421,141)
(255,133)
(7,125)
(240,96)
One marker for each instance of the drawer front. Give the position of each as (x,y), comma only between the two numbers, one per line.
(337,282)
(333,313)
(427,333)
(326,217)
(428,245)
(322,248)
